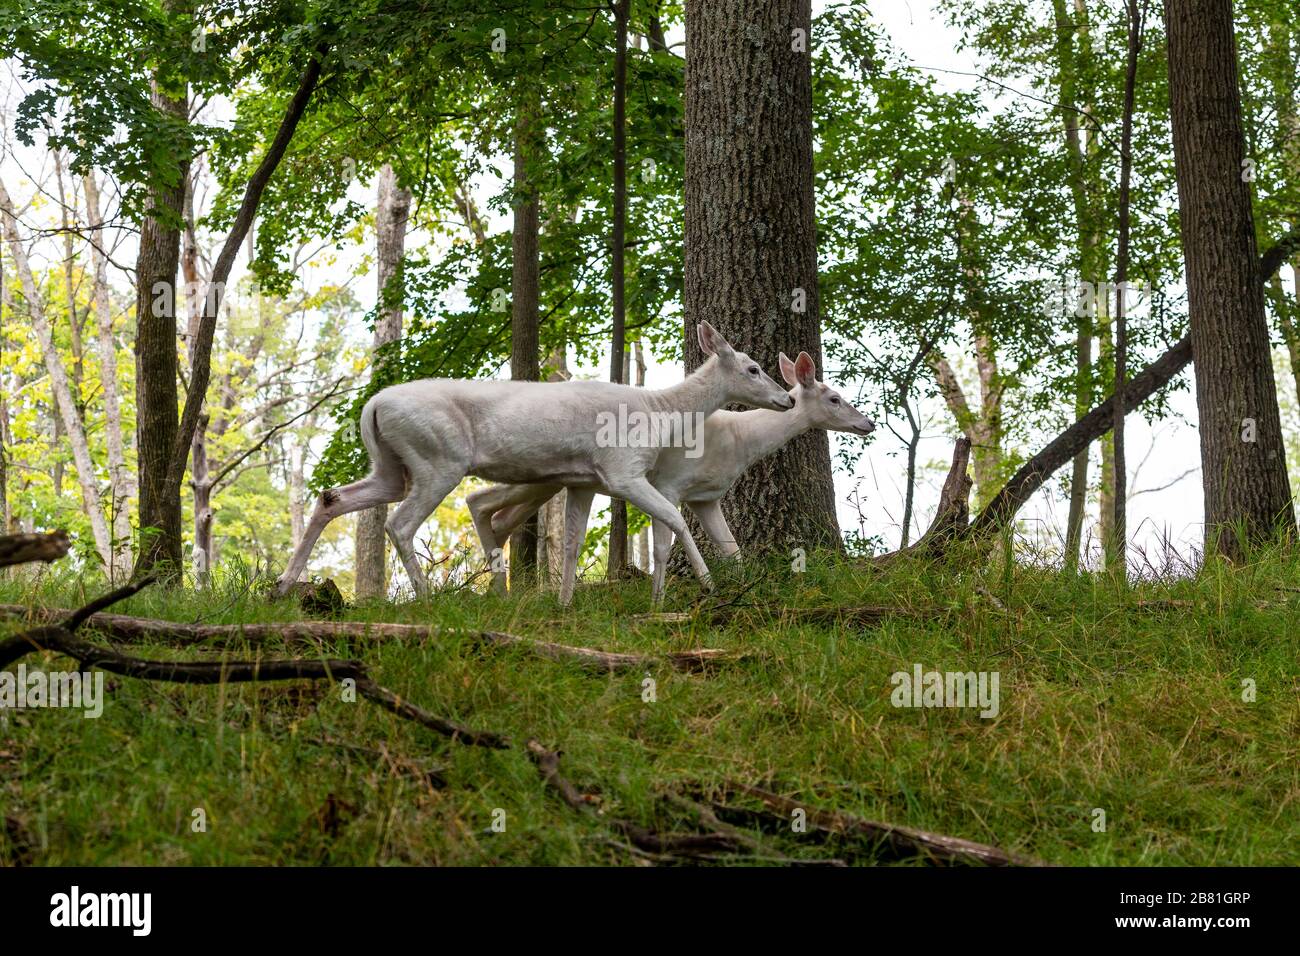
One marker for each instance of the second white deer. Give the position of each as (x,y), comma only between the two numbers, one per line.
(732,442)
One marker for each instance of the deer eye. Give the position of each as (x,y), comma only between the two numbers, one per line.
(753,370)
(835,399)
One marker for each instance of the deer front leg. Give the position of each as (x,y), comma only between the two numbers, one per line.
(663,545)
(649,499)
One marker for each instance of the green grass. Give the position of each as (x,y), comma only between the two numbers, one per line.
(1106,702)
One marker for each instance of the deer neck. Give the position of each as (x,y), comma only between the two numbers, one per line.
(760,432)
(702,391)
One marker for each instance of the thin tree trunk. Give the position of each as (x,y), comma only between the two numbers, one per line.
(66,405)
(550,519)
(617,562)
(121,478)
(1118,549)
(525,358)
(750,239)
(202,557)
(1105,372)
(66,214)
(297,490)
(642,536)
(391,215)
(1247,491)
(1071,68)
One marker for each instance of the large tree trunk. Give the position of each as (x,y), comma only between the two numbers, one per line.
(750,240)
(122,484)
(525,364)
(391,216)
(1242,457)
(156,420)
(67,407)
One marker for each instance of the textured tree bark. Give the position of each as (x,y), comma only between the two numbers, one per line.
(617,561)
(122,484)
(67,407)
(391,215)
(156,419)
(1247,492)
(525,364)
(750,240)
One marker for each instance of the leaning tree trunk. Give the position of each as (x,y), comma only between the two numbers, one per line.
(156,419)
(525,364)
(1242,457)
(750,243)
(390,241)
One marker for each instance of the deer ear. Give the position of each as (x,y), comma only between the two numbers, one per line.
(705,333)
(805,371)
(711,340)
(787,370)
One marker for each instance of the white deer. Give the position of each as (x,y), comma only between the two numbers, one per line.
(732,442)
(423,437)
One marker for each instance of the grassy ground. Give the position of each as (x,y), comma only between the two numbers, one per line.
(1128,702)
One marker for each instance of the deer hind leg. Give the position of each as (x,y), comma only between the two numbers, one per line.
(496,512)
(375,489)
(428,487)
(715,526)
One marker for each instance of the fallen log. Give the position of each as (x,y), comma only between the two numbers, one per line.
(129,629)
(61,638)
(22,548)
(686,846)
(905,841)
(853,614)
